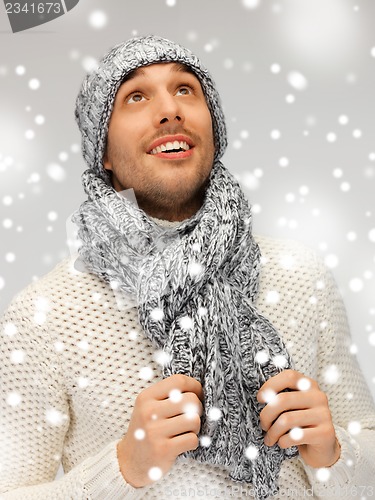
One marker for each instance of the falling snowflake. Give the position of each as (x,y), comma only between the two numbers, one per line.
(155,473)
(280,361)
(34,84)
(56,172)
(17,357)
(83,382)
(146,373)
(354,428)
(296,433)
(303,384)
(186,323)
(214,414)
(323,474)
(272,297)
(55,417)
(14,399)
(268,395)
(331,374)
(356,285)
(205,441)
(261,357)
(195,269)
(157,314)
(139,434)
(251,4)
(10,329)
(98,19)
(190,410)
(175,395)
(297,80)
(162,357)
(251,452)
(275,68)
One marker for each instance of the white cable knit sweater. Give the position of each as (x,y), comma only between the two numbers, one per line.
(72,365)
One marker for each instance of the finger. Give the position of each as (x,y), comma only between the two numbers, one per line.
(287,379)
(309,436)
(296,420)
(188,403)
(285,402)
(184,442)
(178,382)
(181,424)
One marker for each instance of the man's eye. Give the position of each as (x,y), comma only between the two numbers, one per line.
(135,98)
(184,91)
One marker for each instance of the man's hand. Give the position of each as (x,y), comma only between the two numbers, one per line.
(304,411)
(164,423)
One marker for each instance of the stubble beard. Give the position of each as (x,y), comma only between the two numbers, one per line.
(155,195)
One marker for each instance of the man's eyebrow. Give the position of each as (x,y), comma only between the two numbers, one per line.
(133,74)
(177,67)
(183,68)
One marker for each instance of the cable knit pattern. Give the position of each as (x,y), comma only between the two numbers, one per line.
(72,365)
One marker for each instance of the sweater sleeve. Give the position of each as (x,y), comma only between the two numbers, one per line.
(34,419)
(350,401)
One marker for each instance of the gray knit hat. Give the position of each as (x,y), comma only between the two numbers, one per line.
(96,97)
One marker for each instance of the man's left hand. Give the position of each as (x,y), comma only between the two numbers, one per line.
(299,417)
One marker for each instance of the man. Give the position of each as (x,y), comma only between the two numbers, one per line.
(178,356)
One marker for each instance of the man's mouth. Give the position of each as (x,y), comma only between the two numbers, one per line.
(171,147)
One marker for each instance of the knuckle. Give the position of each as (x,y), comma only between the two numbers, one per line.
(193,441)
(284,420)
(180,380)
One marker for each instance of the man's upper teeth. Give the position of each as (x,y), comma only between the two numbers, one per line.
(168,146)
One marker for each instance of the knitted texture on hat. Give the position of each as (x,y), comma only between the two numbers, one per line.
(195,287)
(96,97)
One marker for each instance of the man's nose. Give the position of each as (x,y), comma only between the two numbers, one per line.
(168,110)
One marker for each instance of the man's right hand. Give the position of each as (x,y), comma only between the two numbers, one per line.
(170,422)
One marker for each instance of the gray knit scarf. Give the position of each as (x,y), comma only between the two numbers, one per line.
(196,300)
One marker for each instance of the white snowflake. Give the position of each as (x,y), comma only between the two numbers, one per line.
(251,452)
(297,80)
(190,410)
(331,374)
(272,297)
(98,19)
(175,395)
(205,441)
(83,382)
(214,414)
(157,314)
(268,395)
(354,428)
(17,357)
(56,172)
(146,373)
(296,433)
(55,417)
(10,329)
(161,357)
(186,323)
(13,399)
(303,384)
(280,361)
(323,474)
(139,434)
(261,357)
(155,473)
(195,269)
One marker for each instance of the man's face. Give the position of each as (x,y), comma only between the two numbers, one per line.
(160,140)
